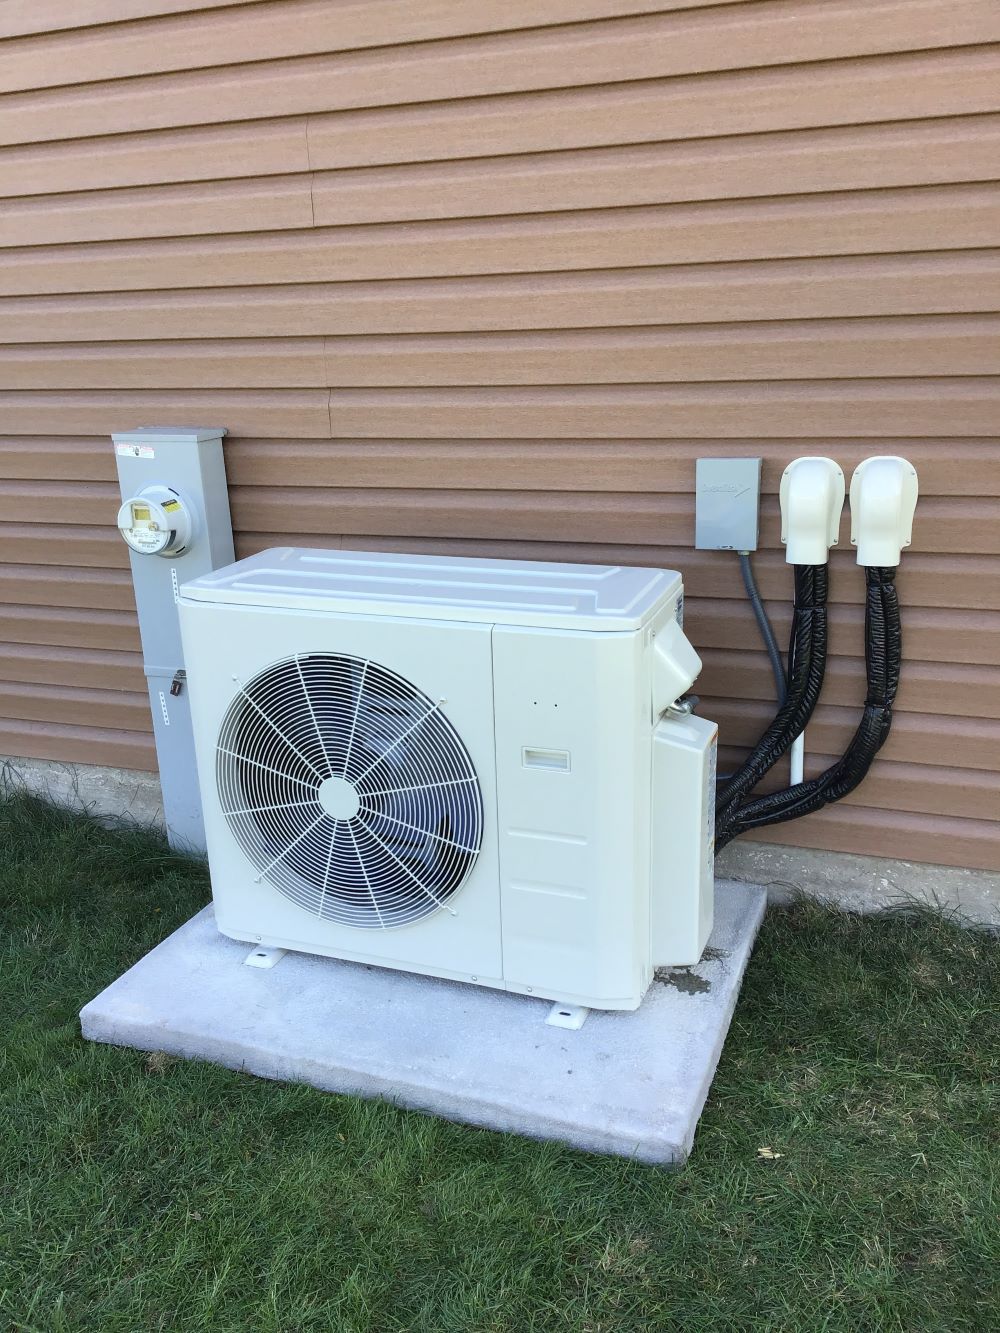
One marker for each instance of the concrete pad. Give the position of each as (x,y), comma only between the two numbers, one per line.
(631,1084)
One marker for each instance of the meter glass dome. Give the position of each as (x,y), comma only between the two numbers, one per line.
(155,522)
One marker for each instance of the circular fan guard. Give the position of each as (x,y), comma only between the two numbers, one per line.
(406,836)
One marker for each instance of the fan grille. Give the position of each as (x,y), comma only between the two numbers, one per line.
(349,790)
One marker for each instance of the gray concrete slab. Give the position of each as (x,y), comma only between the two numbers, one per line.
(631,1084)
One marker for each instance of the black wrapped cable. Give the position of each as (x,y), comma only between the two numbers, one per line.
(893,644)
(883,658)
(765,627)
(806,666)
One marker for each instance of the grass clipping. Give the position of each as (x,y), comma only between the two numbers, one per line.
(843,1175)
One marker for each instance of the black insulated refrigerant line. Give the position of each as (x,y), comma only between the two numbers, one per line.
(883,657)
(806,667)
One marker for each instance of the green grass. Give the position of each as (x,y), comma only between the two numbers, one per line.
(139,1192)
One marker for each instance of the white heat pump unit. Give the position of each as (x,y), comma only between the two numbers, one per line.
(468,768)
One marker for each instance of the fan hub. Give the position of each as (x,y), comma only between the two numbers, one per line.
(339,798)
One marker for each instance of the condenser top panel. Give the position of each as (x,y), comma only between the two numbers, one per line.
(508,592)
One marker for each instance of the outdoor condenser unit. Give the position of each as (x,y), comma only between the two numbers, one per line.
(474,769)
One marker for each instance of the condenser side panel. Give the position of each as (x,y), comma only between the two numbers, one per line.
(682,874)
(573,759)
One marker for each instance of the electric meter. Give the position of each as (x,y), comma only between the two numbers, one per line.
(156,522)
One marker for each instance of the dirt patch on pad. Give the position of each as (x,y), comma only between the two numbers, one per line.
(682,979)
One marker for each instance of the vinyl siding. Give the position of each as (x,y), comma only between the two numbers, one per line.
(487,278)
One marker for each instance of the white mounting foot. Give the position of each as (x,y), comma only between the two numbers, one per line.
(568,1016)
(264,956)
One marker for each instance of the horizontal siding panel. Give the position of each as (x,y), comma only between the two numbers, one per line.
(174,210)
(682,234)
(936,152)
(948,345)
(948,524)
(64,627)
(770,162)
(56,458)
(893,786)
(96,546)
(856,92)
(775,409)
(207,152)
(939,840)
(254,412)
(945,463)
(929,635)
(104,746)
(947,791)
(53,503)
(446,236)
(89,668)
(617,464)
(693,294)
(20,17)
(960,581)
(857,157)
(119,709)
(31,585)
(925,687)
(236,363)
(772,33)
(928,740)
(767,410)
(282,28)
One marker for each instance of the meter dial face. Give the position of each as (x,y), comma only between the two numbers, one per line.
(145,533)
(155,522)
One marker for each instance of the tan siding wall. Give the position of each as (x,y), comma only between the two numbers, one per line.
(487,278)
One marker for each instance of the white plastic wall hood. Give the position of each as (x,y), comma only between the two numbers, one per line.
(812,497)
(511,592)
(883,499)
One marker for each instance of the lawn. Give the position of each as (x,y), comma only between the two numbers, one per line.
(140,1192)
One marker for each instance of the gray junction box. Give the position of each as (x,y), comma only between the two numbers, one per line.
(727,501)
(185,464)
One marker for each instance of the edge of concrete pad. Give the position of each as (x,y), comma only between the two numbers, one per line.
(633,1084)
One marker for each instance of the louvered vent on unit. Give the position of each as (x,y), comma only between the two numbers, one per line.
(349,790)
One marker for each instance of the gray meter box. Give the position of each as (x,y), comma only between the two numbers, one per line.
(727,503)
(189,461)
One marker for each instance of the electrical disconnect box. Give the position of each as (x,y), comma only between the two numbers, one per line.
(175,520)
(727,503)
